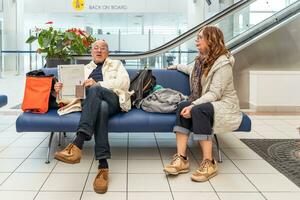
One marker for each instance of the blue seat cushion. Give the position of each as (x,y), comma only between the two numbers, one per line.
(135,120)
(245,124)
(3,100)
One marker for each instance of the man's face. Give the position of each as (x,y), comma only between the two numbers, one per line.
(99,51)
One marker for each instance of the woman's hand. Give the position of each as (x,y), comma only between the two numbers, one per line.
(58,86)
(172,67)
(186,112)
(89,82)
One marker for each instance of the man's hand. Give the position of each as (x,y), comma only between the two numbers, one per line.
(186,112)
(58,86)
(172,67)
(89,82)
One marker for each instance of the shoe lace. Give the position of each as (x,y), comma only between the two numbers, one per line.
(100,172)
(176,159)
(69,148)
(204,166)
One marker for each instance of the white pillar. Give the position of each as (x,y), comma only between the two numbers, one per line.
(13,34)
(195,15)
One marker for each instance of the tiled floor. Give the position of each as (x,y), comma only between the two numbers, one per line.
(136,167)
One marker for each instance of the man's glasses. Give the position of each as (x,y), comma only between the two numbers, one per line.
(97,48)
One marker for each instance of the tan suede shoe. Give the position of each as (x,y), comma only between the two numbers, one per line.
(207,170)
(71,154)
(177,166)
(101,181)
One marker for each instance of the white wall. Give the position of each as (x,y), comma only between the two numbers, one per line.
(275,89)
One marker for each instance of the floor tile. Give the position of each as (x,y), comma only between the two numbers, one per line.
(27,142)
(41,153)
(24,181)
(4,142)
(240,153)
(65,182)
(106,196)
(16,152)
(58,195)
(183,182)
(231,183)
(149,195)
(117,135)
(10,134)
(14,195)
(36,165)
(227,167)
(147,182)
(3,176)
(141,135)
(272,182)
(36,135)
(282,195)
(140,142)
(117,182)
(239,196)
(255,166)
(165,135)
(118,153)
(82,167)
(195,196)
(230,141)
(145,166)
(118,143)
(143,153)
(9,165)
(166,143)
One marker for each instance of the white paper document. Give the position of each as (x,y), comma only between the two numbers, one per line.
(72,78)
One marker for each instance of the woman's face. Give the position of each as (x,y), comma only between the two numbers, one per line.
(201,43)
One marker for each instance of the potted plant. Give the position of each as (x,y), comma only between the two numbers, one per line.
(59,46)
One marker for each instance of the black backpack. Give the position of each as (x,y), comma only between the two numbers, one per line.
(142,83)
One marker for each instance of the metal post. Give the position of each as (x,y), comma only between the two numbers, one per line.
(49,148)
(119,40)
(179,49)
(18,64)
(218,148)
(30,57)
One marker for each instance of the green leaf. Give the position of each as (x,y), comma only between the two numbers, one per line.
(31,39)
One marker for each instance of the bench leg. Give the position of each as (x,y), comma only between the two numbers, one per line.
(218,148)
(49,148)
(59,138)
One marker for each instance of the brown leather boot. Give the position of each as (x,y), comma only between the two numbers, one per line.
(101,181)
(71,154)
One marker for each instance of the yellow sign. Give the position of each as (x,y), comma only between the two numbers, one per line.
(78,5)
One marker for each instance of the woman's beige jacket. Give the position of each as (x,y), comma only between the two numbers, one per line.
(218,89)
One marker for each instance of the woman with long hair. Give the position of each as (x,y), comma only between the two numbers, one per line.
(213,106)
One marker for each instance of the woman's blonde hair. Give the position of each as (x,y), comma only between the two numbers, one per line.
(216,47)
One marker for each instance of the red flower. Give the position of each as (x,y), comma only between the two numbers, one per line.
(85,42)
(49,22)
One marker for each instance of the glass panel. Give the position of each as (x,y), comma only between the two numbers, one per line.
(250,19)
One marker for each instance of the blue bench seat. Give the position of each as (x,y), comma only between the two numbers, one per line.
(135,120)
(3,100)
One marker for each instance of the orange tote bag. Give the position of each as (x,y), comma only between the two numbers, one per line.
(37,93)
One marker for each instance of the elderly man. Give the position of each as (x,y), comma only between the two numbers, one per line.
(107,94)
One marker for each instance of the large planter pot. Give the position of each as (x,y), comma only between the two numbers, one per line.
(53,62)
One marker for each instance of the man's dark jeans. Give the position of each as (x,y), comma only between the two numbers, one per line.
(99,105)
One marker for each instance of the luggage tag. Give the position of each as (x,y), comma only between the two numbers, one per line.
(79,91)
